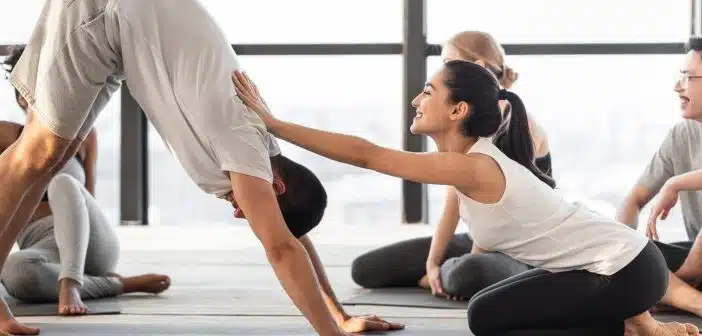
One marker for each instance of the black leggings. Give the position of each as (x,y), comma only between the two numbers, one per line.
(674,253)
(463,274)
(570,303)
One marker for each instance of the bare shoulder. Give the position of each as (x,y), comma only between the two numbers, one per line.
(9,132)
(488,182)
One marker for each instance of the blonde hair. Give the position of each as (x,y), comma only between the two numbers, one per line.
(476,45)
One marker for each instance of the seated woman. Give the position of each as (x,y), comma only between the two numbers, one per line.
(445,263)
(591,274)
(68,251)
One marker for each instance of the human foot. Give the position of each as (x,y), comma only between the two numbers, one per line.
(12,327)
(70,302)
(146,283)
(656,328)
(424,282)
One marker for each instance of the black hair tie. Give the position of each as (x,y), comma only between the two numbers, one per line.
(502,94)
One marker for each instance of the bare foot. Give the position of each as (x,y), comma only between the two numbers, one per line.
(70,302)
(12,327)
(651,327)
(146,283)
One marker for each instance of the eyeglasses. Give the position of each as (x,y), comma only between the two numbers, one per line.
(684,79)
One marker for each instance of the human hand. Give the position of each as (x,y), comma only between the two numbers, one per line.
(668,197)
(249,94)
(365,323)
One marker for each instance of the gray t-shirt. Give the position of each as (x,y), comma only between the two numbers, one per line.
(679,154)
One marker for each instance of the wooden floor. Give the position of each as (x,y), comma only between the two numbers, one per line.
(223,285)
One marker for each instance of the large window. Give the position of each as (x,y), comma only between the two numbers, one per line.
(17,20)
(548,21)
(359,95)
(605,117)
(309,21)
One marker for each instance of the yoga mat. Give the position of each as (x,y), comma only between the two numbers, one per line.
(223,327)
(404,297)
(95,307)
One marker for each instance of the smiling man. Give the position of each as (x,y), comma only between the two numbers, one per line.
(675,168)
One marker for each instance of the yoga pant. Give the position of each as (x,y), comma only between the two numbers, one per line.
(674,253)
(463,274)
(76,242)
(403,264)
(574,302)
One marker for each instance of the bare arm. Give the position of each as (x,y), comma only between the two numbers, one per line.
(445,230)
(330,299)
(628,212)
(686,182)
(453,169)
(90,161)
(477,249)
(456,169)
(290,263)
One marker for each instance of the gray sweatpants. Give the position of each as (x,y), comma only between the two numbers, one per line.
(463,274)
(77,242)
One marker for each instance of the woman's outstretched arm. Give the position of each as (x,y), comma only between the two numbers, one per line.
(454,169)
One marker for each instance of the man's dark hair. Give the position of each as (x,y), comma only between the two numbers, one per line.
(305,199)
(694,43)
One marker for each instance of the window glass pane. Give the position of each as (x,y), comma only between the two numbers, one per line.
(359,95)
(17,20)
(108,128)
(543,21)
(309,21)
(605,116)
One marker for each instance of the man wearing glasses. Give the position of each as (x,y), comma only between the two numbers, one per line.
(676,169)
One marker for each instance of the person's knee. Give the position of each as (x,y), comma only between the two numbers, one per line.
(479,316)
(39,150)
(464,276)
(61,185)
(364,273)
(22,275)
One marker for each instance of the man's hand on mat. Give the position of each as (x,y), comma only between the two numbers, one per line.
(248,93)
(667,199)
(12,327)
(358,324)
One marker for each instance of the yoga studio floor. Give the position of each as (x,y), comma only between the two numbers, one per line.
(222,285)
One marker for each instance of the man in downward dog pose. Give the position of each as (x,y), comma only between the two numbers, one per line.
(77,57)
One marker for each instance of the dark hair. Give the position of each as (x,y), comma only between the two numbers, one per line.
(305,199)
(694,43)
(479,88)
(9,64)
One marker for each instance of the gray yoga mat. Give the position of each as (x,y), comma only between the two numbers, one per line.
(224,327)
(403,297)
(95,307)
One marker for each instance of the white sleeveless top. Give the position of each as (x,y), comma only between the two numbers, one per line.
(532,223)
